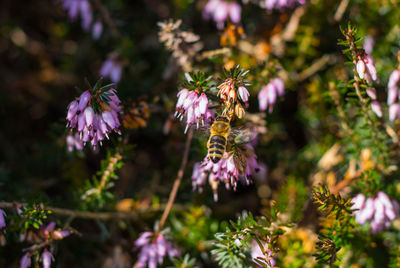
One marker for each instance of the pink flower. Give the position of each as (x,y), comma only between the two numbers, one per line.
(221,10)
(371,92)
(25,260)
(153,248)
(97,29)
(92,126)
(243,94)
(257,254)
(49,228)
(393,87)
(79,7)
(2,219)
(366,69)
(376,108)
(380,211)
(112,68)
(224,171)
(394,111)
(193,107)
(369,43)
(46,258)
(268,94)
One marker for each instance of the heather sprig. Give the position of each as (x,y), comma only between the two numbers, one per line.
(96,192)
(337,224)
(233,246)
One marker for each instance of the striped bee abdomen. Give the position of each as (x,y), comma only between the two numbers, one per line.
(216,147)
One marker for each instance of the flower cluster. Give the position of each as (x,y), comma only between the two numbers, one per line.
(83,9)
(366,68)
(227,92)
(46,232)
(257,254)
(153,248)
(194,106)
(280,4)
(93,115)
(394,94)
(112,68)
(268,94)
(379,210)
(232,90)
(220,10)
(228,170)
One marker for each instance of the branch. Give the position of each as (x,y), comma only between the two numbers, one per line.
(316,66)
(178,180)
(341,9)
(133,215)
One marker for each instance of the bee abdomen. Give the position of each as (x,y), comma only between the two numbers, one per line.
(218,139)
(215,155)
(216,148)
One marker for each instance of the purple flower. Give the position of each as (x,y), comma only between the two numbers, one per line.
(86,14)
(257,254)
(369,43)
(79,7)
(393,94)
(193,107)
(153,248)
(380,211)
(224,171)
(280,4)
(112,68)
(97,29)
(220,11)
(92,126)
(394,111)
(366,69)
(46,258)
(268,94)
(49,228)
(376,108)
(25,260)
(2,219)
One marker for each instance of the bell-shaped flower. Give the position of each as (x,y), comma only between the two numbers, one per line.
(46,258)
(25,260)
(153,249)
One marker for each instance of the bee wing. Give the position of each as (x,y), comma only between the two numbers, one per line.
(242,135)
(202,131)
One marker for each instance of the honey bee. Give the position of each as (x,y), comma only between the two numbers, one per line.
(219,132)
(223,135)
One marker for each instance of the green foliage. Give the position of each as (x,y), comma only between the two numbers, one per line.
(96,193)
(232,246)
(337,225)
(33,216)
(184,262)
(194,228)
